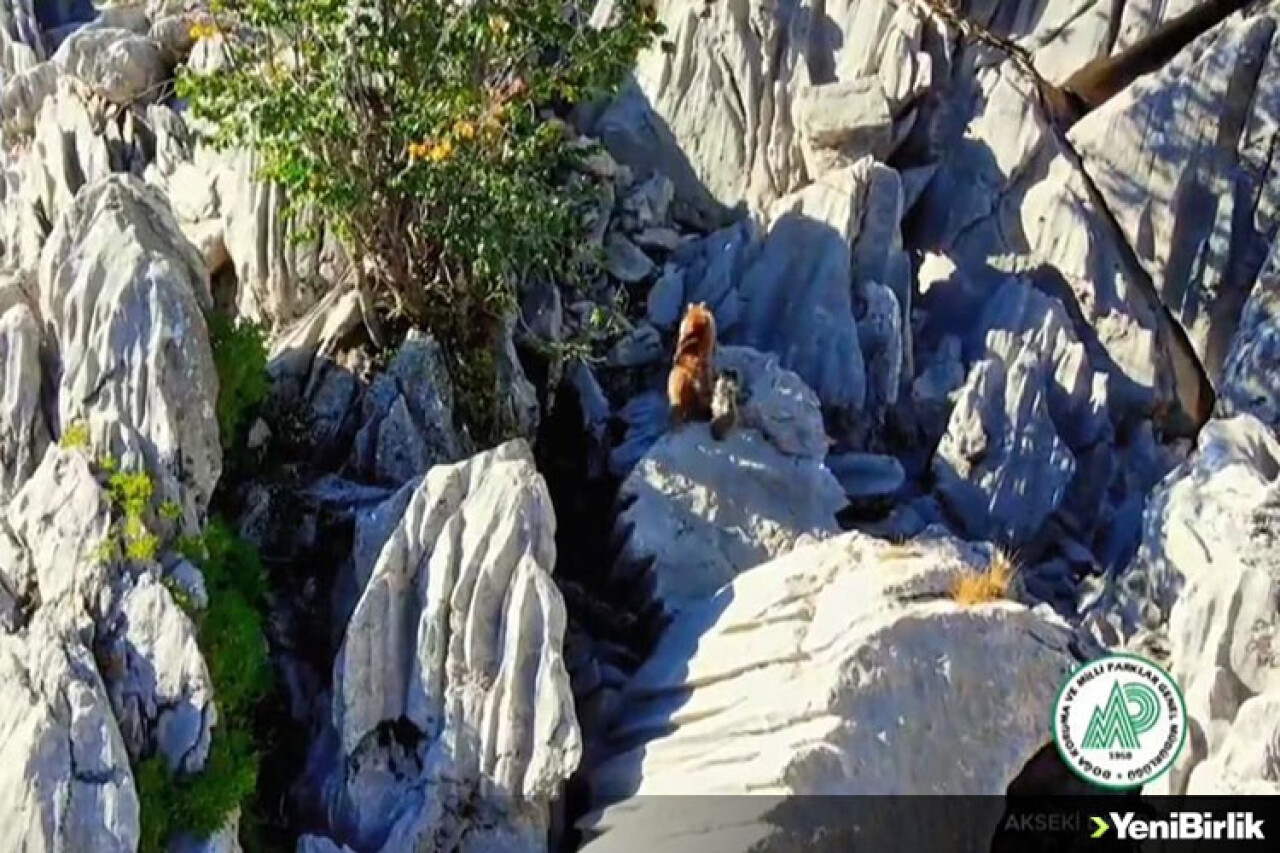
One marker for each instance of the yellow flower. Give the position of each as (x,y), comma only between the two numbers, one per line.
(464,130)
(498,25)
(418,151)
(441,151)
(203,30)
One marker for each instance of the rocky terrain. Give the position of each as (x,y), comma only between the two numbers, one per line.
(964,326)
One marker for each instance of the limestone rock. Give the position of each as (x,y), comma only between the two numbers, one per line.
(68,151)
(123,291)
(699,511)
(796,293)
(871,682)
(66,782)
(1206,577)
(61,517)
(1001,467)
(883,343)
(115,64)
(1250,382)
(1210,498)
(164,692)
(843,122)
(280,277)
(866,475)
(716,106)
(23,431)
(458,634)
(775,402)
(625,261)
(408,416)
(639,347)
(1183,162)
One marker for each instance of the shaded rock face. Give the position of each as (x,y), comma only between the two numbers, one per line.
(24,434)
(408,416)
(1250,383)
(1099,218)
(1202,220)
(455,644)
(873,682)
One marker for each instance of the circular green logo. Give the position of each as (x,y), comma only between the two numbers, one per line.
(1119,721)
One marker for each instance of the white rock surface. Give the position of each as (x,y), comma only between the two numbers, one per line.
(1184,163)
(1001,467)
(123,292)
(164,692)
(279,276)
(775,402)
(65,783)
(116,64)
(459,633)
(700,511)
(1206,578)
(61,517)
(841,668)
(408,416)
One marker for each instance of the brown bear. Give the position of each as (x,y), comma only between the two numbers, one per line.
(689,386)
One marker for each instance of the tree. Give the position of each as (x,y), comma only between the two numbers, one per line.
(419,131)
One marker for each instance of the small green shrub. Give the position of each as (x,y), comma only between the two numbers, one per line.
(130,494)
(75,436)
(240,356)
(231,639)
(200,804)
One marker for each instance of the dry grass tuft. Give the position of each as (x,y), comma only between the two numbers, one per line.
(991,584)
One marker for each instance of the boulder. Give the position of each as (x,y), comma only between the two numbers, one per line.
(867,475)
(720,106)
(163,693)
(123,293)
(458,637)
(842,122)
(68,151)
(117,65)
(699,511)
(1207,499)
(280,277)
(61,517)
(775,402)
(842,668)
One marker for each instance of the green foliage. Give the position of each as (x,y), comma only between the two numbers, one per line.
(240,356)
(234,647)
(419,132)
(75,436)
